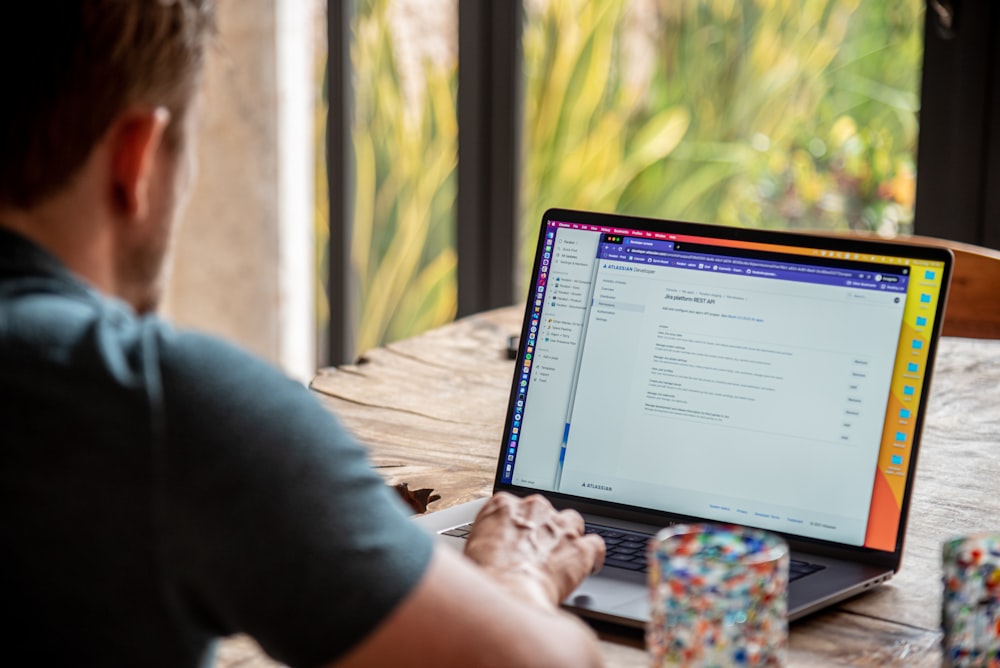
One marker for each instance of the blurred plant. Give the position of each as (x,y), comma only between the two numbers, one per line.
(817,102)
(403,250)
(587,133)
(781,114)
(764,113)
(403,256)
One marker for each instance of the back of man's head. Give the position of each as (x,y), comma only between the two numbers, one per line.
(67,68)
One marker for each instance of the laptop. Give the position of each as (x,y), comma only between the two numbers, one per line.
(675,372)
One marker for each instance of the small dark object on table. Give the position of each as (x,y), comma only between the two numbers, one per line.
(418,499)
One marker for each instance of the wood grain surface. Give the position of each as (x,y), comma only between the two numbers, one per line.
(431,410)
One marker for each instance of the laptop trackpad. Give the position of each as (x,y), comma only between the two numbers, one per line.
(623,597)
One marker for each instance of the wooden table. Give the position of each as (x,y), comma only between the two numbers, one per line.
(432,409)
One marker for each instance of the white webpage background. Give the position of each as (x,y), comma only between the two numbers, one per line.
(741,399)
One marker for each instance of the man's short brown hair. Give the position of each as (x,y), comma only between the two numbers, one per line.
(68,67)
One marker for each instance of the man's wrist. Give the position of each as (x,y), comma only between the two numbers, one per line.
(527,583)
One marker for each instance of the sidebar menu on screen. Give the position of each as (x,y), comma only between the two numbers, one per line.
(561,300)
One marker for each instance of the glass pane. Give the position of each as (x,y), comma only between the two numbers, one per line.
(405,143)
(758,113)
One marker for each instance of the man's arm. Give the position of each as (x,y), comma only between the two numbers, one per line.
(498,606)
(274,525)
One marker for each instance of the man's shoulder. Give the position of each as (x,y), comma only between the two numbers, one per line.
(46,320)
(200,364)
(47,314)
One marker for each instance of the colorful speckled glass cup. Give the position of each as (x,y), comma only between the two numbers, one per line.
(970,602)
(718,596)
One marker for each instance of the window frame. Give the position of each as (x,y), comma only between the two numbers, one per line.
(337,342)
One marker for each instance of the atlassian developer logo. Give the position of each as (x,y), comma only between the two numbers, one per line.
(620,267)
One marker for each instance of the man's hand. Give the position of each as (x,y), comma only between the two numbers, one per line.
(499,606)
(526,545)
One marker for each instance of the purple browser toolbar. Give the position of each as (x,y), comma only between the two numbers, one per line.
(659,256)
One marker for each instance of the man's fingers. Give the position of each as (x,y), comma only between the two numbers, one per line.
(513,533)
(499,502)
(581,556)
(594,544)
(538,508)
(571,520)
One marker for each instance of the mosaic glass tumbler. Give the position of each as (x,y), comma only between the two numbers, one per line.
(718,596)
(970,602)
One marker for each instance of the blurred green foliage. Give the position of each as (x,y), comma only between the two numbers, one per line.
(403,257)
(765,113)
(795,114)
(403,247)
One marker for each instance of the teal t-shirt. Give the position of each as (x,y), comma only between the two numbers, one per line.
(159,489)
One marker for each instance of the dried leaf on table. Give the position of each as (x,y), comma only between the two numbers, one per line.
(418,499)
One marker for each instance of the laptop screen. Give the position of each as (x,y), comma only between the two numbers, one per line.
(763,379)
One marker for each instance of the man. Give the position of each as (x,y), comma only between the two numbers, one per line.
(159,489)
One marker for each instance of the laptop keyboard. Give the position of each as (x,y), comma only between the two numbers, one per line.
(627,549)
(624,549)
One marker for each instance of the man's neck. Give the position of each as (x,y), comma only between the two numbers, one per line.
(80,240)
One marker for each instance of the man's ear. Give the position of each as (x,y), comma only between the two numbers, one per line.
(136,139)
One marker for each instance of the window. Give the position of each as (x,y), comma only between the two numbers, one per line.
(743,112)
